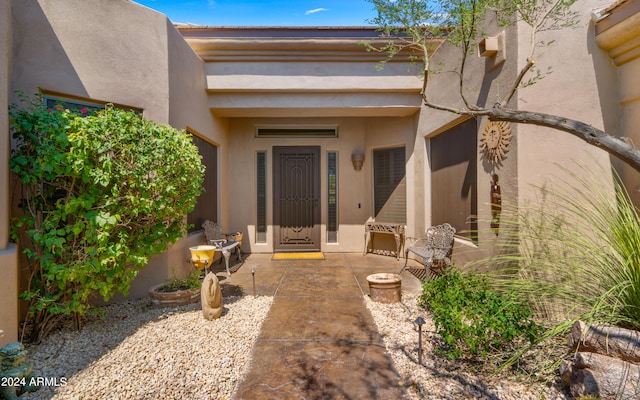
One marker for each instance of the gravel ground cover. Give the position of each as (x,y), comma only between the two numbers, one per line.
(437,377)
(139,352)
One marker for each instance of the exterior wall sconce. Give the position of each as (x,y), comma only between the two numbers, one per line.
(488,47)
(357,159)
(494,50)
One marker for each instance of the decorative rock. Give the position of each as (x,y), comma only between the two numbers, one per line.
(385,287)
(606,363)
(211,297)
(605,339)
(604,377)
(566,369)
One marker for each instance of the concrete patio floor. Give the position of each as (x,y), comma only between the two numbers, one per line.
(319,340)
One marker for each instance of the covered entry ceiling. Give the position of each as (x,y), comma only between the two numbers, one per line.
(293,72)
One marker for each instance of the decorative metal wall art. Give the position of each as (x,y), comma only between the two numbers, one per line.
(495,141)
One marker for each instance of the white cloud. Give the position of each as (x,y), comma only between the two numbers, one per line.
(315,10)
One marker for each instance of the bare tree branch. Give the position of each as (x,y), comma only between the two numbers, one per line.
(594,136)
(518,81)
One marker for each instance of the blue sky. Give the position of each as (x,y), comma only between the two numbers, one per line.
(265,12)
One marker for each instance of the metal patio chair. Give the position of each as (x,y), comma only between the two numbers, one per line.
(434,249)
(224,242)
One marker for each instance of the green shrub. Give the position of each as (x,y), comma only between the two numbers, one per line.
(190,282)
(473,319)
(100,195)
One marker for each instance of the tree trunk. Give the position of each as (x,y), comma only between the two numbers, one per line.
(604,339)
(611,144)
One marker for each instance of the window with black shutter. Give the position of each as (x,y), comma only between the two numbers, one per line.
(207,203)
(390,197)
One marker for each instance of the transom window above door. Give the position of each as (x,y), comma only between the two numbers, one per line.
(296,132)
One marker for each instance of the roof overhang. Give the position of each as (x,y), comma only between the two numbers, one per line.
(304,71)
(217,44)
(618,31)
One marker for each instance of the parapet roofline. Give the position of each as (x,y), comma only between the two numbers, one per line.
(272,43)
(355,32)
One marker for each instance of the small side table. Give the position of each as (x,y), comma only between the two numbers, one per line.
(390,228)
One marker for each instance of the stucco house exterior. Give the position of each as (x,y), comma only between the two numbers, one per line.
(285,110)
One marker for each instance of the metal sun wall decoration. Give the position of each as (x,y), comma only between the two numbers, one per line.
(495,141)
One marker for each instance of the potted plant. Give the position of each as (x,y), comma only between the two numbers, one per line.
(177,291)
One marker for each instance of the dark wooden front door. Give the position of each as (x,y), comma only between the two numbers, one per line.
(296,198)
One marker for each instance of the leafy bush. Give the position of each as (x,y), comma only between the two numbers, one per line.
(473,319)
(190,282)
(100,195)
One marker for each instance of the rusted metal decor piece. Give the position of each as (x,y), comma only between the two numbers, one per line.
(390,228)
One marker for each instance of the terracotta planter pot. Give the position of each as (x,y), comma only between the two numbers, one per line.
(179,297)
(385,287)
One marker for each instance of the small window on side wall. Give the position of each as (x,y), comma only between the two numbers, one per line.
(81,106)
(207,203)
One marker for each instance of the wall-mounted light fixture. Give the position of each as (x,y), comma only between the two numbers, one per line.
(357,158)
(493,49)
(488,47)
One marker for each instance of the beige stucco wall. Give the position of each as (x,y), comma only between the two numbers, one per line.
(67,47)
(5,70)
(5,65)
(344,88)
(8,250)
(119,52)
(189,108)
(582,87)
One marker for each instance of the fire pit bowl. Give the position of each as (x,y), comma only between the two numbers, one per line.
(385,287)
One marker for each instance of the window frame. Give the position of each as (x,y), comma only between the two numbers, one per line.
(396,178)
(262,200)
(332,196)
(197,216)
